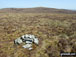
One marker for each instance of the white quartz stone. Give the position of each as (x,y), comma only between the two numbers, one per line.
(27,46)
(36,41)
(28,42)
(18,40)
(30,48)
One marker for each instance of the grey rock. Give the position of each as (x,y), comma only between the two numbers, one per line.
(18,41)
(28,39)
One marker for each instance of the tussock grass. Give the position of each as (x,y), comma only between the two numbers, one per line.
(56,33)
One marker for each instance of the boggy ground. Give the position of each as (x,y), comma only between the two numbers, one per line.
(56,33)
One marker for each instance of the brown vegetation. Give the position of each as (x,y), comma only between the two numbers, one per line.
(56,33)
(37,10)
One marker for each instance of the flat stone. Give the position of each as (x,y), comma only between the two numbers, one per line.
(27,46)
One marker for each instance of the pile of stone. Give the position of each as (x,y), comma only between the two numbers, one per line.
(28,39)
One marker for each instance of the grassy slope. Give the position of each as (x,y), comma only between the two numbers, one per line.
(37,10)
(56,33)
